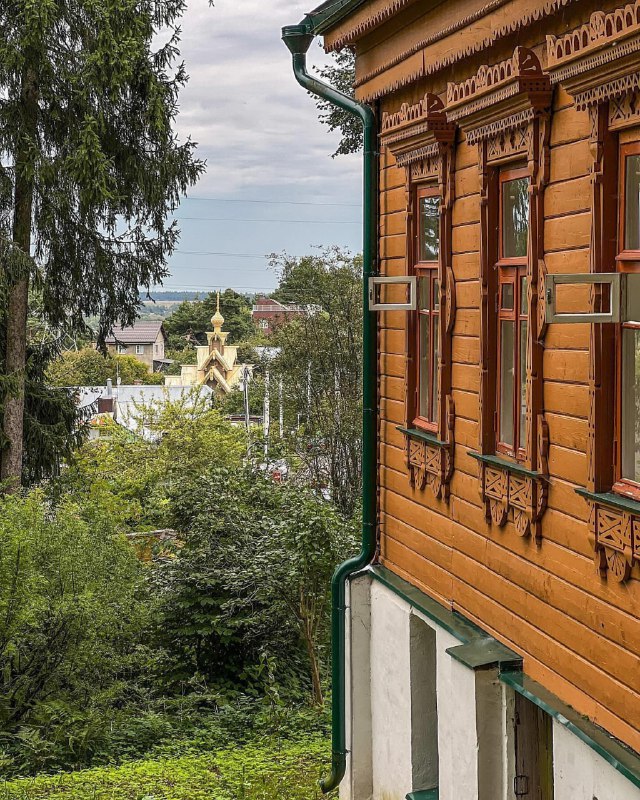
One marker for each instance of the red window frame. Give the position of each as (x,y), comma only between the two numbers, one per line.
(430,271)
(627,261)
(511,271)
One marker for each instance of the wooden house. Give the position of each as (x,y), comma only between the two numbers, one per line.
(493,647)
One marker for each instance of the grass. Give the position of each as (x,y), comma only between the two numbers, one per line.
(274,771)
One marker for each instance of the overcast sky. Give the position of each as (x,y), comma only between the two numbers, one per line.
(260,136)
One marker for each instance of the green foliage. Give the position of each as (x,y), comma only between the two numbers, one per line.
(190,321)
(133,476)
(253,579)
(70,619)
(276,770)
(341,74)
(320,364)
(88,367)
(87,108)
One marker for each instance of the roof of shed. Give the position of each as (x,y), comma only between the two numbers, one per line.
(140,333)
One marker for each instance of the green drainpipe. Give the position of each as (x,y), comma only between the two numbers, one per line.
(298,39)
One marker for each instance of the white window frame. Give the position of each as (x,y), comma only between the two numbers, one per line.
(619,286)
(139,349)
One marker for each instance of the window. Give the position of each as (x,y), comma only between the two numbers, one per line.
(511,434)
(122,348)
(139,349)
(263,323)
(628,334)
(427,263)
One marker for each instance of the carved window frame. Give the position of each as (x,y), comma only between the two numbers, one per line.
(423,143)
(511,272)
(425,271)
(598,63)
(505,110)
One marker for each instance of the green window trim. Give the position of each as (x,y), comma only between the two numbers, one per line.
(510,466)
(617,754)
(416,433)
(611,499)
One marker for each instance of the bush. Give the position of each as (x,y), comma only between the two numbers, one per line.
(272,771)
(88,367)
(70,620)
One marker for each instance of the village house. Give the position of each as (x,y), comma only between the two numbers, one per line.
(268,313)
(145,341)
(490,647)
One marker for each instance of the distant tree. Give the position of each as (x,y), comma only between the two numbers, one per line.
(341,75)
(320,363)
(90,169)
(88,367)
(192,319)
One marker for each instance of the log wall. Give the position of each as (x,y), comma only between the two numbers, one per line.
(579,634)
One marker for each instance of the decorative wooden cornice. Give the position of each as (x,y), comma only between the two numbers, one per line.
(432,66)
(499,98)
(508,488)
(600,59)
(430,460)
(615,533)
(368,23)
(416,132)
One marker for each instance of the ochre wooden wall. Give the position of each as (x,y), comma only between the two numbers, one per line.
(579,634)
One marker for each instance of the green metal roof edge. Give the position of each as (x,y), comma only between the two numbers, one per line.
(621,757)
(332,12)
(424,794)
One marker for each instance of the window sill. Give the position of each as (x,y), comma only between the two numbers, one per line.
(510,466)
(416,433)
(612,500)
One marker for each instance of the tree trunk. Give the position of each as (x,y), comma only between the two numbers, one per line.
(314,666)
(18,291)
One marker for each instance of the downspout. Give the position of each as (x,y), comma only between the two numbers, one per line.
(298,39)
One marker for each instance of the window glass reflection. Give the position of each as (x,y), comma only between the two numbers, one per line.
(429,230)
(522,430)
(631,404)
(424,367)
(515,218)
(632,203)
(507,333)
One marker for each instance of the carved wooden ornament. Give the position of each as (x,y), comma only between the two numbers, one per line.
(422,141)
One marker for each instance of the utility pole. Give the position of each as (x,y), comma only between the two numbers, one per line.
(267,408)
(246,397)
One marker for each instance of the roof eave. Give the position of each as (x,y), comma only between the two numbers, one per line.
(329,14)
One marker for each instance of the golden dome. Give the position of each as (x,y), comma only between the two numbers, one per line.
(217,320)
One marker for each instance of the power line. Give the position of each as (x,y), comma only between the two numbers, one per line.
(272,202)
(303,221)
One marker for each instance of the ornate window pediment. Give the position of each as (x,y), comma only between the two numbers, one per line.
(600,60)
(499,102)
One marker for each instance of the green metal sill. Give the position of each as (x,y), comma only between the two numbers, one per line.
(416,433)
(621,757)
(611,499)
(510,466)
(424,794)
(476,651)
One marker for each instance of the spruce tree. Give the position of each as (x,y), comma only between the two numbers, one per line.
(90,169)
